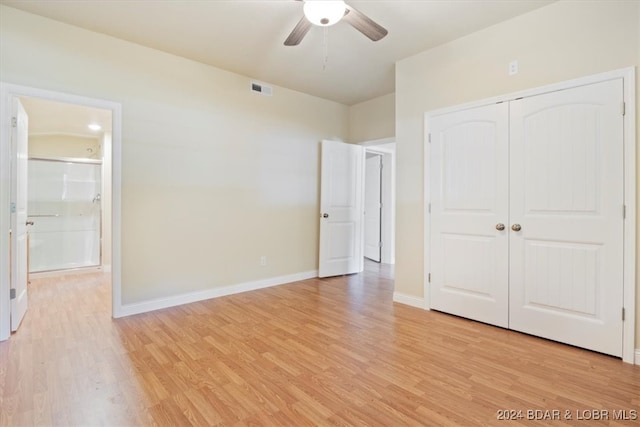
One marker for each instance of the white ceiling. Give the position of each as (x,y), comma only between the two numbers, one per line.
(246,36)
(50,117)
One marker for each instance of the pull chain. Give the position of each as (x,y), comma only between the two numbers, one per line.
(325,46)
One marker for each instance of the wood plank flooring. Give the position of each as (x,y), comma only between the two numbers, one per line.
(318,352)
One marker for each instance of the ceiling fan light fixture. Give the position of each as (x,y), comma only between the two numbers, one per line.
(324,12)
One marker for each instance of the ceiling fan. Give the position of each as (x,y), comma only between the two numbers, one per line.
(328,12)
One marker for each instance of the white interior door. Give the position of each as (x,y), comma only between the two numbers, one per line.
(341,209)
(567,196)
(19,141)
(469,202)
(373,207)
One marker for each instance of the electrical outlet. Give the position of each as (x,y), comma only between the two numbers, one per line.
(263,260)
(513,67)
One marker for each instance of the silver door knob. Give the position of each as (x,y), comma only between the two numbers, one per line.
(516,227)
(499,226)
(29,223)
(325,215)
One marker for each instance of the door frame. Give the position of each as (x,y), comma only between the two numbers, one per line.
(7,92)
(630,177)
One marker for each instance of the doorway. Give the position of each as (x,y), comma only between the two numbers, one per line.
(68,189)
(380,176)
(342,242)
(373,207)
(75,181)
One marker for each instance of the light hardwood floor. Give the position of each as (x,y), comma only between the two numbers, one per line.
(317,352)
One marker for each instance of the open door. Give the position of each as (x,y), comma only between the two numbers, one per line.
(19,268)
(373,207)
(341,209)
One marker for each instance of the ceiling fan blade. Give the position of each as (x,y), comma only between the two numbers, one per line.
(298,33)
(364,24)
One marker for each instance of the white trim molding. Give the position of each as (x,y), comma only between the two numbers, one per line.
(628,75)
(637,356)
(631,219)
(375,142)
(7,92)
(172,301)
(409,300)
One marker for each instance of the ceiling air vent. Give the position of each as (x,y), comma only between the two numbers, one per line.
(261,88)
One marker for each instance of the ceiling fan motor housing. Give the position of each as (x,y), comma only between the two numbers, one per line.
(324,12)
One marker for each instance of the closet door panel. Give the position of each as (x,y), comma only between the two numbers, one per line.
(469,198)
(566,177)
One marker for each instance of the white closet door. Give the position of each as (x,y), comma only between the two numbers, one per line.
(566,277)
(469,199)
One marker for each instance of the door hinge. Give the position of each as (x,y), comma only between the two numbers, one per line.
(624,211)
(14,122)
(381,165)
(624,108)
(429,207)
(623,314)
(429,138)
(429,277)
(12,293)
(379,244)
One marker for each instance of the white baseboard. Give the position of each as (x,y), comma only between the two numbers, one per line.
(409,300)
(160,303)
(637,357)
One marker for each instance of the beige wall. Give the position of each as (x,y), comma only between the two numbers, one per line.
(564,40)
(213,175)
(64,146)
(373,119)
